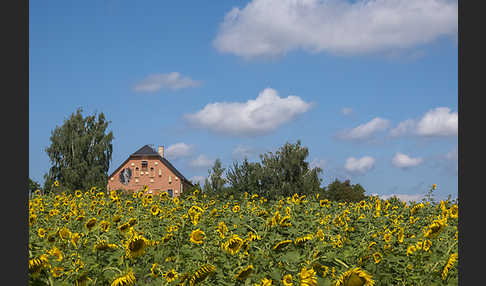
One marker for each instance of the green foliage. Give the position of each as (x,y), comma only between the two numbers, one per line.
(282,173)
(80,152)
(344,191)
(33,186)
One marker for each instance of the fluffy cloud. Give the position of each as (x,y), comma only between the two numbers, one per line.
(317,163)
(201,162)
(436,122)
(359,166)
(366,130)
(403,161)
(172,81)
(275,27)
(258,116)
(178,150)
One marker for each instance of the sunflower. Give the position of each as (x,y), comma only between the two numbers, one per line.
(320,269)
(116,219)
(285,221)
(78,193)
(154,210)
(308,277)
(325,203)
(75,239)
(56,183)
(135,246)
(132,221)
(64,233)
(91,223)
(37,264)
(450,262)
(287,280)
(200,274)
(232,245)
(197,236)
(56,253)
(236,208)
(222,229)
(127,279)
(411,249)
(103,245)
(281,244)
(377,257)
(387,237)
(244,273)
(104,225)
(400,235)
(41,232)
(170,275)
(154,270)
(454,211)
(434,228)
(355,277)
(57,271)
(303,239)
(427,245)
(265,282)
(124,227)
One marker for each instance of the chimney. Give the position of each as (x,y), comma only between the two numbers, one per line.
(161,151)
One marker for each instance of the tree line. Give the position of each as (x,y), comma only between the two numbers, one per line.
(80,154)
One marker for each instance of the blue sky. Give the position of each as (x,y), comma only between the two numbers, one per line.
(371,88)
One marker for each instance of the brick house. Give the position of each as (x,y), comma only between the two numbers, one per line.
(146,167)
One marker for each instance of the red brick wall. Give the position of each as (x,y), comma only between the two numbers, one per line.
(155,182)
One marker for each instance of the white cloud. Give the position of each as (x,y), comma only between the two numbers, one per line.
(403,161)
(172,81)
(258,116)
(436,122)
(178,150)
(366,130)
(359,166)
(274,27)
(346,111)
(404,197)
(201,162)
(403,127)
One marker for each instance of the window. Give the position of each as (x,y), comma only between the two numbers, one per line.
(137,172)
(144,166)
(152,172)
(170,192)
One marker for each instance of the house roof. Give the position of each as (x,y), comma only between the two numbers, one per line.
(147,151)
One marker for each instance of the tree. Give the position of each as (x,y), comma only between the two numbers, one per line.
(214,183)
(80,152)
(344,191)
(33,186)
(244,177)
(286,172)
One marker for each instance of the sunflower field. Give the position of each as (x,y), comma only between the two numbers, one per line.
(95,238)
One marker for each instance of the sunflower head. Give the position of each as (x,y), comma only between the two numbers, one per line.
(91,223)
(355,277)
(197,236)
(287,280)
(244,273)
(127,279)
